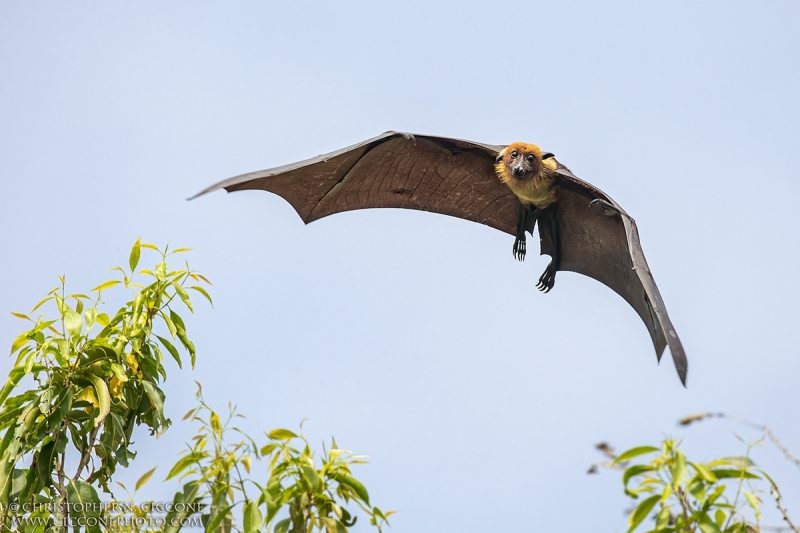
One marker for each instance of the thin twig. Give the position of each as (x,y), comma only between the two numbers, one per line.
(85,458)
(767,431)
(782,509)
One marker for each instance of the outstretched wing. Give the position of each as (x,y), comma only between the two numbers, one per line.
(600,240)
(437,174)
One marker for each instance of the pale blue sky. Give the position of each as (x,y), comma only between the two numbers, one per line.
(416,338)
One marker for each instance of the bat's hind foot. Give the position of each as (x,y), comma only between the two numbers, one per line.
(548,278)
(520,248)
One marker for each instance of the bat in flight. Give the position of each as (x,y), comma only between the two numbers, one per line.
(510,188)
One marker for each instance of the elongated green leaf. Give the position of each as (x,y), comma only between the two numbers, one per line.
(678,469)
(752,499)
(312,477)
(183,295)
(634,452)
(103,398)
(281,434)
(635,470)
(353,483)
(19,342)
(145,478)
(135,253)
(107,284)
(641,512)
(20,315)
(171,349)
(662,520)
(6,479)
(183,463)
(722,473)
(253,519)
(202,291)
(41,303)
(704,472)
(84,506)
(213,524)
(45,464)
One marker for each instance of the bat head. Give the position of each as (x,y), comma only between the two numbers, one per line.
(519,162)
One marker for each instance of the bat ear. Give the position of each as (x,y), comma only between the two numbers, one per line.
(547,155)
(499,157)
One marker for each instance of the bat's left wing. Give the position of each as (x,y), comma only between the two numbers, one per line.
(437,174)
(600,240)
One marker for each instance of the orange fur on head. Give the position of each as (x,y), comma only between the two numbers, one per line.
(537,186)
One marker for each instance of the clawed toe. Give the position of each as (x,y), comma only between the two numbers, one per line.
(520,249)
(547,280)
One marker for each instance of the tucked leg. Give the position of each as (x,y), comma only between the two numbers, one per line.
(548,278)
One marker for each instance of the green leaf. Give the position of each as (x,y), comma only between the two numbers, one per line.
(90,317)
(634,452)
(253,518)
(283,526)
(135,253)
(41,303)
(723,473)
(704,472)
(662,520)
(754,503)
(45,463)
(678,469)
(313,478)
(84,505)
(171,349)
(353,483)
(281,434)
(642,511)
(6,479)
(156,397)
(184,505)
(73,323)
(103,398)
(19,342)
(107,284)
(183,294)
(202,291)
(218,518)
(632,471)
(147,475)
(707,525)
(20,315)
(183,463)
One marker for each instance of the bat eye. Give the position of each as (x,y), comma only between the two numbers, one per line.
(530,158)
(514,154)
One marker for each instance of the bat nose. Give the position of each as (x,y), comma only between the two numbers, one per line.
(518,172)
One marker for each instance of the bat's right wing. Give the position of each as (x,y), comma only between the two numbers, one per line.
(600,240)
(400,170)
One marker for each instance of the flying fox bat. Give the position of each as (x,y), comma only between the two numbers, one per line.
(510,188)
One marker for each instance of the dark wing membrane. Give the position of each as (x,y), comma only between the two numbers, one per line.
(603,243)
(436,174)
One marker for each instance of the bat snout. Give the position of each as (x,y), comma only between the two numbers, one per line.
(518,171)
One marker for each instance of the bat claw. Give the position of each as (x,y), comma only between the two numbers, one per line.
(608,209)
(547,279)
(520,249)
